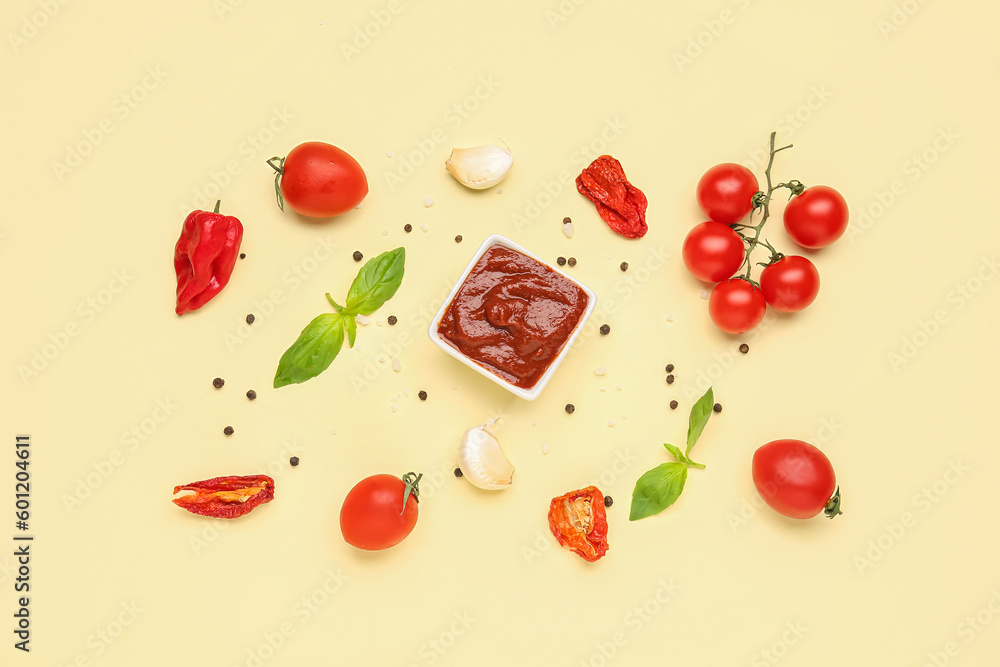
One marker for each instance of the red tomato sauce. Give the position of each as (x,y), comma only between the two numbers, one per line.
(513,315)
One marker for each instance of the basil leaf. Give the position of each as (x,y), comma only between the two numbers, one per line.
(657,490)
(682,457)
(351,325)
(700,413)
(376,282)
(313,352)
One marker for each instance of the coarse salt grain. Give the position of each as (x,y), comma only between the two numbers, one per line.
(545,448)
(669,318)
(500,191)
(611,255)
(361,319)
(568,229)
(385,232)
(428,202)
(394,407)
(423,228)
(406,393)
(396,365)
(611,422)
(601,370)
(619,387)
(604,388)
(704,294)
(624,417)
(388,153)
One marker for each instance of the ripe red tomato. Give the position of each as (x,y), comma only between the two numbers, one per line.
(712,252)
(725,192)
(320,180)
(374,516)
(796,479)
(817,217)
(736,306)
(790,284)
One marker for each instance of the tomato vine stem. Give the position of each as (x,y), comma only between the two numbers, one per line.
(411,480)
(762,202)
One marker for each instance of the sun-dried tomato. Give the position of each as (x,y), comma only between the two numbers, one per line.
(619,203)
(226,497)
(579,521)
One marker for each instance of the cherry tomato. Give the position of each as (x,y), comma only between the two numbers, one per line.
(712,251)
(320,180)
(725,192)
(796,479)
(790,284)
(817,217)
(374,515)
(736,306)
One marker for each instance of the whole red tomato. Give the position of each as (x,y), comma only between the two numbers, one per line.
(380,511)
(725,192)
(319,180)
(796,479)
(817,217)
(736,306)
(790,284)
(712,251)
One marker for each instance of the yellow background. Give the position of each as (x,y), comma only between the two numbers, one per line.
(893,104)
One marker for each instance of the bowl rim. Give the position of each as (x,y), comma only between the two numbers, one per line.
(527,394)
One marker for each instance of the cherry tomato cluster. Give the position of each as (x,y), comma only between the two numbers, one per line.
(719,250)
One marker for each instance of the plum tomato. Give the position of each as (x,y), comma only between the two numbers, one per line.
(796,479)
(790,284)
(817,217)
(380,511)
(725,192)
(712,252)
(319,180)
(736,306)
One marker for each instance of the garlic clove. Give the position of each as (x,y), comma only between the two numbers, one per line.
(482,460)
(480,167)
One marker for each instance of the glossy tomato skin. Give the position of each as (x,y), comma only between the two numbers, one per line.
(736,306)
(817,217)
(320,180)
(794,478)
(790,284)
(725,192)
(712,251)
(373,518)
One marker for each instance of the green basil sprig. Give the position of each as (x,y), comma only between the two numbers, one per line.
(320,342)
(660,487)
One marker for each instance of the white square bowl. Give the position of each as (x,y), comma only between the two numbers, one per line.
(527,394)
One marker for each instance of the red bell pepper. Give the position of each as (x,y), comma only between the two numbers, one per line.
(204,257)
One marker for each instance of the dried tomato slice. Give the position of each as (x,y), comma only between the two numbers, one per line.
(619,203)
(226,497)
(580,522)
